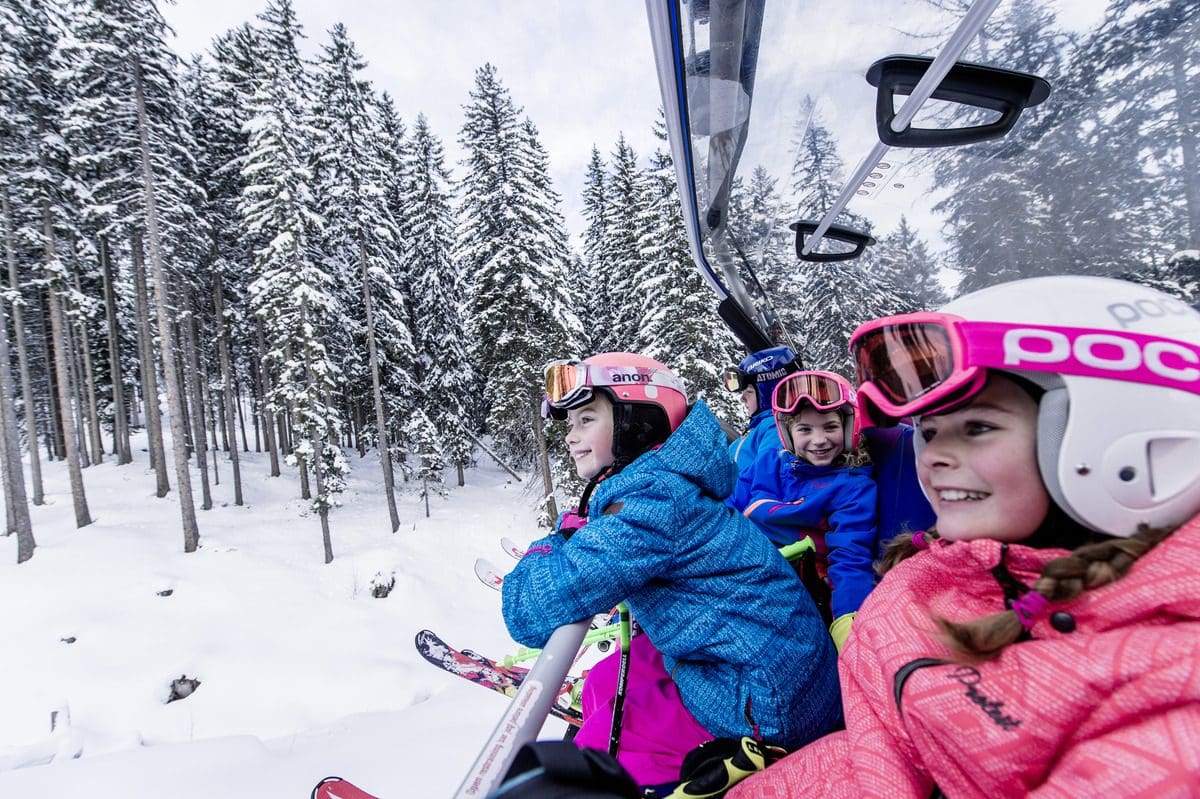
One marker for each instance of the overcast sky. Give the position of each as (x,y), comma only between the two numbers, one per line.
(582,71)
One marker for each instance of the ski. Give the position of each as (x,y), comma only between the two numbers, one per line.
(510,546)
(338,788)
(488,574)
(492,675)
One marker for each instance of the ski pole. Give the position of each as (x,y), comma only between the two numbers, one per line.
(526,712)
(614,735)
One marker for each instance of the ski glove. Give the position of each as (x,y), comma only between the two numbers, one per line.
(713,767)
(840,630)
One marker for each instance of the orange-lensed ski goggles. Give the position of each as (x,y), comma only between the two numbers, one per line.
(824,391)
(570,383)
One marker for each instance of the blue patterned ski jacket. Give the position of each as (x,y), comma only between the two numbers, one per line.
(790,498)
(761,441)
(739,634)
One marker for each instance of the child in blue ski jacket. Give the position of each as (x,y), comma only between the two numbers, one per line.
(819,485)
(755,379)
(743,652)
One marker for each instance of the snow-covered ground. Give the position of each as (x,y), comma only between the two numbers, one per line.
(303,672)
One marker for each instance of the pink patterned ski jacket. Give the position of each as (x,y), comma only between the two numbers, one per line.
(1104,700)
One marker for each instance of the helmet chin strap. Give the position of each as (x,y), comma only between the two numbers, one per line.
(607,471)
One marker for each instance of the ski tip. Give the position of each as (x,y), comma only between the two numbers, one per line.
(488,574)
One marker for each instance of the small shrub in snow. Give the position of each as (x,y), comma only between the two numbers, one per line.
(182,687)
(382,584)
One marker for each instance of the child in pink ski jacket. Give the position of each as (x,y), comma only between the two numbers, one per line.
(1045,639)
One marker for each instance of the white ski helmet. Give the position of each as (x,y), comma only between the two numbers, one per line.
(1116,450)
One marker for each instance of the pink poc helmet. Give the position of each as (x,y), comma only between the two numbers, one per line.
(649,401)
(824,391)
(1119,422)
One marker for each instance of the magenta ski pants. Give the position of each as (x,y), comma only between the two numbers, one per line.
(656,729)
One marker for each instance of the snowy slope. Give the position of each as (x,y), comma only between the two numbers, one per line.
(303,672)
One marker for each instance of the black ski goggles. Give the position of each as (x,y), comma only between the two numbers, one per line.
(735,379)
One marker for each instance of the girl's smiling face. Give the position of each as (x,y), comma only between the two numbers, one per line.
(817,437)
(979,466)
(590,436)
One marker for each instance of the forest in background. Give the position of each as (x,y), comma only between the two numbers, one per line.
(262,241)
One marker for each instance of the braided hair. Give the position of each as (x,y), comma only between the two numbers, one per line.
(1091,565)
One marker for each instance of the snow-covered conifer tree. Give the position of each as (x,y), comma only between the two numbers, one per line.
(589,274)
(906,261)
(627,195)
(445,373)
(27,41)
(291,293)
(15,146)
(512,243)
(361,236)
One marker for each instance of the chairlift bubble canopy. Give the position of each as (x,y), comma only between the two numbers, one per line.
(1063,136)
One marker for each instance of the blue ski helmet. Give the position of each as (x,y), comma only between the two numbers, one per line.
(763,370)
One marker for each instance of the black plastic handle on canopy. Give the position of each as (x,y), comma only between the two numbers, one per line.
(858,240)
(1003,90)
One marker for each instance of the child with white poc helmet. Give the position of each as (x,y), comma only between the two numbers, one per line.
(1045,639)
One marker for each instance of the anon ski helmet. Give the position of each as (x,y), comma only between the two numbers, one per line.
(823,391)
(649,401)
(764,369)
(1119,363)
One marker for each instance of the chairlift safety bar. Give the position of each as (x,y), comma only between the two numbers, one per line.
(973,21)
(526,713)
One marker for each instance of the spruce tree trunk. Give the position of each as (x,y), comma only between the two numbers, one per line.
(31,434)
(385,453)
(227,386)
(135,404)
(85,346)
(59,332)
(191,382)
(211,416)
(264,389)
(120,420)
(76,384)
(154,432)
(184,388)
(239,401)
(1187,128)
(539,432)
(317,444)
(14,475)
(55,431)
(6,471)
(256,401)
(191,533)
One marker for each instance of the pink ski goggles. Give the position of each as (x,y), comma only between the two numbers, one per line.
(822,390)
(927,363)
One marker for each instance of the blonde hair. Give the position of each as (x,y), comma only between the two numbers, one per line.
(1062,579)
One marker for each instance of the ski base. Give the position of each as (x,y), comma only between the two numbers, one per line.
(494,676)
